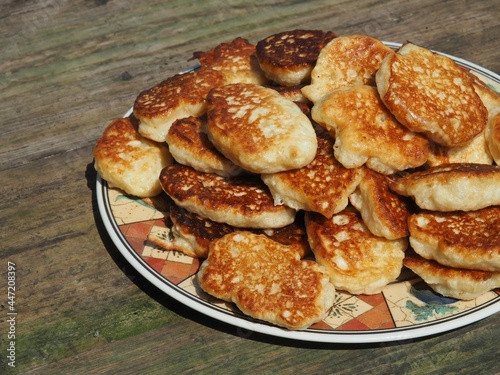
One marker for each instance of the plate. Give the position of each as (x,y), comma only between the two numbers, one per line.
(405,309)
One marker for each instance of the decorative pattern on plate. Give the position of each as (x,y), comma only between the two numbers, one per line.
(405,303)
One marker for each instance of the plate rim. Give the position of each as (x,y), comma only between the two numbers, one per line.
(309,335)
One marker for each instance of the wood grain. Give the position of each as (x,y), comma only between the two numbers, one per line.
(66,70)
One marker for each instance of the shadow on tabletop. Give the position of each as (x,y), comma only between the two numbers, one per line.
(188,313)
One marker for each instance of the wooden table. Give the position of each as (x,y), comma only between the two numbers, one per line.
(69,68)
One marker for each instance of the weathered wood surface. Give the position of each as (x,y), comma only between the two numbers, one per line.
(66,70)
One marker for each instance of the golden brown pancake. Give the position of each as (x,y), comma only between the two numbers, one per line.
(356,260)
(458,239)
(457,283)
(189,145)
(493,134)
(321,186)
(266,280)
(235,60)
(287,58)
(430,94)
(489,97)
(128,161)
(366,133)
(476,151)
(259,129)
(346,61)
(180,96)
(384,212)
(243,202)
(451,187)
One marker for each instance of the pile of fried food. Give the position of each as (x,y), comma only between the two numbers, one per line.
(310,162)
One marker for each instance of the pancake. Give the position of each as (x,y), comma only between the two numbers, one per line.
(366,133)
(476,151)
(458,239)
(492,134)
(189,145)
(383,212)
(258,129)
(346,61)
(287,58)
(430,94)
(489,97)
(177,97)
(128,161)
(321,186)
(192,235)
(266,280)
(236,61)
(243,202)
(457,283)
(356,260)
(452,187)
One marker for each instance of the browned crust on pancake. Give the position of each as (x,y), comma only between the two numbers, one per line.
(117,135)
(357,261)
(121,154)
(384,208)
(493,134)
(189,144)
(203,230)
(188,88)
(266,280)
(235,60)
(288,57)
(429,93)
(246,200)
(365,130)
(258,129)
(293,48)
(321,186)
(345,61)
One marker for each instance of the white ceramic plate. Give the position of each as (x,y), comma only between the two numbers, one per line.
(405,309)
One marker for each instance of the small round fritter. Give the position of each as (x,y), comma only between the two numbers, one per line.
(493,134)
(459,283)
(476,151)
(243,202)
(489,97)
(365,131)
(321,186)
(346,61)
(384,212)
(451,187)
(179,96)
(356,260)
(259,129)
(430,94)
(458,239)
(287,58)
(236,61)
(266,280)
(128,161)
(189,145)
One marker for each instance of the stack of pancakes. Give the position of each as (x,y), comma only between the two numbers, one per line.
(310,162)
